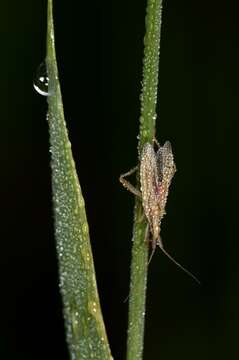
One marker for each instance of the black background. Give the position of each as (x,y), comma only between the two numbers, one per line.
(99,49)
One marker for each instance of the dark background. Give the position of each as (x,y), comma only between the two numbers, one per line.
(99,49)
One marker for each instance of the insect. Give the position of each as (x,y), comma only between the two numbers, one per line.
(156,170)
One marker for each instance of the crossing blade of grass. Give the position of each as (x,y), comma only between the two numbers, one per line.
(85,330)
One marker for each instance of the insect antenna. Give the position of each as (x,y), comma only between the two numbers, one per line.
(154,243)
(152,254)
(179,265)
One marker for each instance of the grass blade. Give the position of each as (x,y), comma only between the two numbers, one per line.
(85,328)
(139,262)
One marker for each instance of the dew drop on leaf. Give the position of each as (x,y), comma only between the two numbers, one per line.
(41,80)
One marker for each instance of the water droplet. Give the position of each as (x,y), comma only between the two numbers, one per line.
(85,228)
(41,80)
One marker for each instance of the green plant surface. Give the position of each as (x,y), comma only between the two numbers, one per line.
(139,262)
(86,335)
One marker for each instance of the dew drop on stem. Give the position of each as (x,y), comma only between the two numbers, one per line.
(41,80)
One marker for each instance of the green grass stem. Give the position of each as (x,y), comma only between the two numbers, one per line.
(86,335)
(139,262)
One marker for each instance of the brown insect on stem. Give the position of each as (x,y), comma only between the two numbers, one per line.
(157,169)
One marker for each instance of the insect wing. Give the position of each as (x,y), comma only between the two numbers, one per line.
(148,176)
(148,173)
(167,167)
(150,188)
(166,162)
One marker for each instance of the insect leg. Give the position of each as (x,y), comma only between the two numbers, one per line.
(155,141)
(127,184)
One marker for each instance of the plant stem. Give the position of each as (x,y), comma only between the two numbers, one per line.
(139,262)
(85,330)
